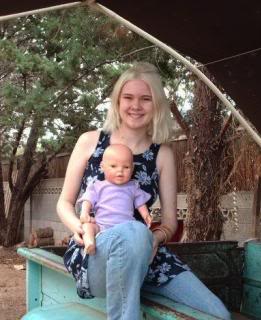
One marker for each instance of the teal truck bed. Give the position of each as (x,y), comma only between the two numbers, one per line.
(51,292)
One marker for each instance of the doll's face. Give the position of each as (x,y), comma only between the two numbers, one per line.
(117,164)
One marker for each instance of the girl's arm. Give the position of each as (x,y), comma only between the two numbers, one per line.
(166,165)
(82,151)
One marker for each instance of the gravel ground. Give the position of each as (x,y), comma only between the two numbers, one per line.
(12,285)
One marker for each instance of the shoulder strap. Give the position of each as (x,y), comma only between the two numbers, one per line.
(104,139)
(155,149)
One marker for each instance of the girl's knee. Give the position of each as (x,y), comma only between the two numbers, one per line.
(137,238)
(141,236)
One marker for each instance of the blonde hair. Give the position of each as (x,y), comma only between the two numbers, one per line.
(162,126)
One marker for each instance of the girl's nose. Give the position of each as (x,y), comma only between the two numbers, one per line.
(136,104)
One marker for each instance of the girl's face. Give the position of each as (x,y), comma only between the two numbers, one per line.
(135,104)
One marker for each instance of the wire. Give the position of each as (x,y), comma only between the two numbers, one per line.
(229,58)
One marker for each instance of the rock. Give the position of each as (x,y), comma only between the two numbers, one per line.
(19,267)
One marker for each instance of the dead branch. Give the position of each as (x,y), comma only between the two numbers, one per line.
(175,111)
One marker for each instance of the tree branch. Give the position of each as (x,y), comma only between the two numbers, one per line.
(75,80)
(225,127)
(175,111)
(233,169)
(16,145)
(36,177)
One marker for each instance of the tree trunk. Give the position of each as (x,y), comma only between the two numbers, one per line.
(19,191)
(2,204)
(204,220)
(30,173)
(13,220)
(18,200)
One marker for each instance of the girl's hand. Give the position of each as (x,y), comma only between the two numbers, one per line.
(156,242)
(78,233)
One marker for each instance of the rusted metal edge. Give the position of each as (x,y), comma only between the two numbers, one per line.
(165,310)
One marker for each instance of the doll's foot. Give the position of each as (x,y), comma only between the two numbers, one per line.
(90,249)
(148,221)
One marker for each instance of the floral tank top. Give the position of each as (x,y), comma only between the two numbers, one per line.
(166,265)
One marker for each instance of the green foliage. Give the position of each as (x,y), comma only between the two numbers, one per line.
(56,71)
(59,67)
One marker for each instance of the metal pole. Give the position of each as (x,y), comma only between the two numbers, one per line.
(43,10)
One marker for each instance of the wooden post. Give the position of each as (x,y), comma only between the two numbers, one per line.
(256,209)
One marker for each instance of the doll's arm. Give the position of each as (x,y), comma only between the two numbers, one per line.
(144,212)
(89,227)
(85,216)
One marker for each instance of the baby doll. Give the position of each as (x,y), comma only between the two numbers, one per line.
(114,199)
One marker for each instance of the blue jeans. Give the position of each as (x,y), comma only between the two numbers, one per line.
(186,288)
(119,268)
(120,265)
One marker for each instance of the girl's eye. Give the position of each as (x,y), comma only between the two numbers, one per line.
(113,166)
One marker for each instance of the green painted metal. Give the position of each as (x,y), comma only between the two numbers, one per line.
(252,280)
(33,285)
(52,290)
(69,311)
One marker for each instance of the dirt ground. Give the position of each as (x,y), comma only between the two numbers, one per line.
(12,285)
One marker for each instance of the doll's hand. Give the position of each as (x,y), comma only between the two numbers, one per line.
(148,220)
(86,218)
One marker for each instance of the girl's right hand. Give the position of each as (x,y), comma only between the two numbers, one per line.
(78,233)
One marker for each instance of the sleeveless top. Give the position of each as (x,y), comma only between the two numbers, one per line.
(166,265)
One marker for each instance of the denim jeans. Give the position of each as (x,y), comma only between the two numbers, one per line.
(186,288)
(120,265)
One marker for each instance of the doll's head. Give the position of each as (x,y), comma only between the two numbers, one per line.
(117,164)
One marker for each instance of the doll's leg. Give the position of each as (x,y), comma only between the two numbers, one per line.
(90,231)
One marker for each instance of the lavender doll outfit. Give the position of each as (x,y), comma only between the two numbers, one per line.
(113,204)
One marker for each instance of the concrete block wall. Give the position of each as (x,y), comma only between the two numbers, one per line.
(239,224)
(40,212)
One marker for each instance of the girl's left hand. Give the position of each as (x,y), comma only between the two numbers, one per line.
(156,242)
